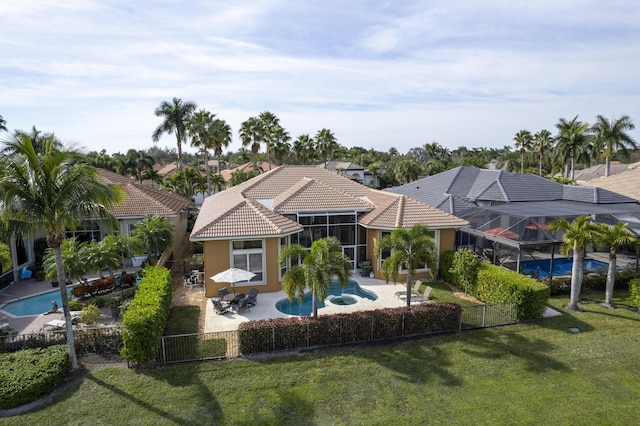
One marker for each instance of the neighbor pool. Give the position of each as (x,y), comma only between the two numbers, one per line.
(561,266)
(294,307)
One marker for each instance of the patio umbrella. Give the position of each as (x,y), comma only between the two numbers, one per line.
(502,232)
(233,275)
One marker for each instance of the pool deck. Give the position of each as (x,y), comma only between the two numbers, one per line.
(266,306)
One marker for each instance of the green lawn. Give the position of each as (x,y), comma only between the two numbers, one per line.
(535,373)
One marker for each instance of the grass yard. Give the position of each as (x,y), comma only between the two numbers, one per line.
(528,374)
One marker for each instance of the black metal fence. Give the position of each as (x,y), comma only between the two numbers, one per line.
(99,340)
(481,316)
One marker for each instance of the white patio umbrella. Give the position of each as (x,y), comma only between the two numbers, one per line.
(233,275)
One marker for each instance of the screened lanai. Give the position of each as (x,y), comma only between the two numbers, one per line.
(509,214)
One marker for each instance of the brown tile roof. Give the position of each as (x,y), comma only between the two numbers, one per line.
(251,208)
(246,167)
(625,183)
(140,201)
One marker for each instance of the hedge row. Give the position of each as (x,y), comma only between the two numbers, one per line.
(497,284)
(562,285)
(29,374)
(146,318)
(295,333)
(446,261)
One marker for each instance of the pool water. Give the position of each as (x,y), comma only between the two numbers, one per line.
(343,300)
(294,307)
(561,266)
(35,305)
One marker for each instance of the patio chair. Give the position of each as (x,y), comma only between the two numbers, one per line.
(222,293)
(414,291)
(252,297)
(242,305)
(219,308)
(424,298)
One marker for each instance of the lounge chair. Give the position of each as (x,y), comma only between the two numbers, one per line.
(424,298)
(55,325)
(242,305)
(252,297)
(219,308)
(414,291)
(224,294)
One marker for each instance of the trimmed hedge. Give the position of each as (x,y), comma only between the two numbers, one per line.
(29,374)
(561,286)
(634,290)
(146,318)
(497,284)
(283,334)
(446,261)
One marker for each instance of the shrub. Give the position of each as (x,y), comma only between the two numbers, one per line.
(294,333)
(75,305)
(634,290)
(146,317)
(90,314)
(446,261)
(31,373)
(497,284)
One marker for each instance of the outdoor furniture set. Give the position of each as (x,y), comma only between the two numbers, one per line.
(232,302)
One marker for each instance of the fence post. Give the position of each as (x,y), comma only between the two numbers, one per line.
(273,337)
(484,315)
(164,351)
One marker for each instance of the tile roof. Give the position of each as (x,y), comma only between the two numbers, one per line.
(246,167)
(253,207)
(626,183)
(140,201)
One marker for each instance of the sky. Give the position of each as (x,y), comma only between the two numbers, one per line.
(378,74)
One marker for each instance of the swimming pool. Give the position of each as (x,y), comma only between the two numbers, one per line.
(35,305)
(561,266)
(294,307)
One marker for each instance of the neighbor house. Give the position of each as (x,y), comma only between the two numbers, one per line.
(509,213)
(246,226)
(352,171)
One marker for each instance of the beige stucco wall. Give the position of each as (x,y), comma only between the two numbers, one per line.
(217,258)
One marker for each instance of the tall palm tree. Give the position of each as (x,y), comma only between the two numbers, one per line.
(523,145)
(137,164)
(221,138)
(252,135)
(175,115)
(271,127)
(326,143)
(304,149)
(52,191)
(542,143)
(3,124)
(200,128)
(614,237)
(314,269)
(409,248)
(611,136)
(281,146)
(407,170)
(571,142)
(577,235)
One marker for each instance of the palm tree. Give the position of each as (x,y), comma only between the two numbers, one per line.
(314,269)
(252,135)
(523,145)
(303,149)
(611,136)
(614,237)
(542,143)
(175,115)
(217,181)
(577,235)
(571,142)
(409,248)
(221,138)
(326,143)
(407,170)
(124,245)
(270,126)
(281,146)
(155,233)
(137,164)
(52,191)
(3,124)
(200,128)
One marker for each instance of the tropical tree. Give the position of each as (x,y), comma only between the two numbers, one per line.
(325,143)
(271,131)
(155,233)
(614,237)
(409,248)
(466,266)
(221,138)
(123,245)
(314,269)
(200,128)
(102,256)
(217,181)
(304,149)
(53,191)
(3,124)
(407,170)
(175,115)
(541,143)
(281,146)
(571,142)
(523,144)
(74,260)
(611,136)
(577,234)
(252,135)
